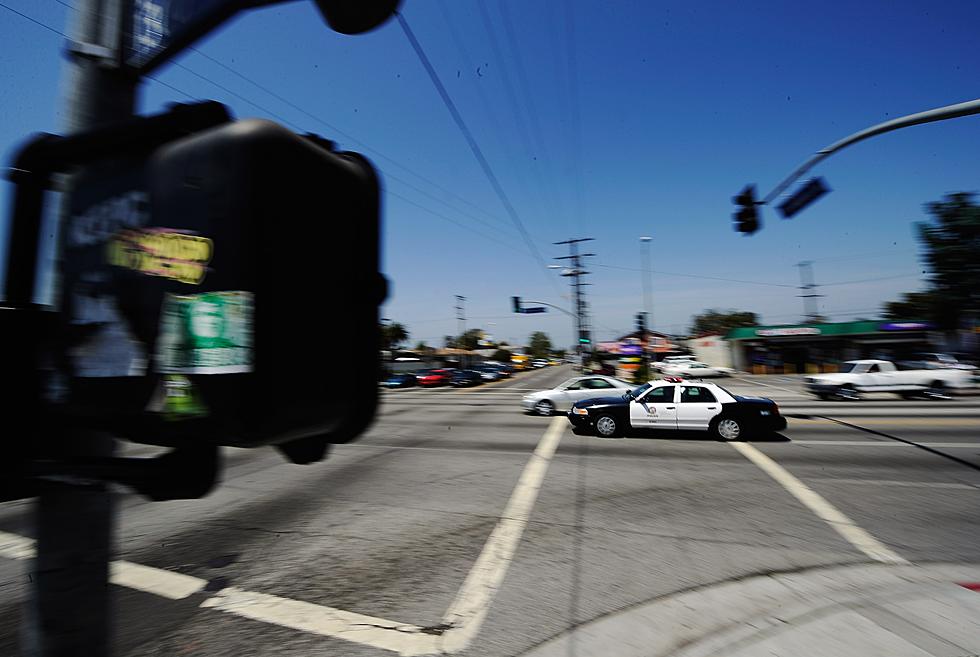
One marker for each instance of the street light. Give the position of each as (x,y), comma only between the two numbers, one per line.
(647,301)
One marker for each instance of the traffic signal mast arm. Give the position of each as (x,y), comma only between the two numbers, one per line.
(551,305)
(939,114)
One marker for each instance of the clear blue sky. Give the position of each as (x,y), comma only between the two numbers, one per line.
(632,118)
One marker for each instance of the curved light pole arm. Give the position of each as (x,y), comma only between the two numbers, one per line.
(939,114)
(551,305)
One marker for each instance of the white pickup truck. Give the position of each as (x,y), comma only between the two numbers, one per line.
(857,376)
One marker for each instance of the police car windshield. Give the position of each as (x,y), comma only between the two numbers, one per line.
(639,390)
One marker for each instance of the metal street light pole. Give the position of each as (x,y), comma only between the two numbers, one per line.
(647,292)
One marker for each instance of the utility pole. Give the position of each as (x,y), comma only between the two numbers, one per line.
(808,289)
(69,611)
(460,315)
(575,272)
(647,300)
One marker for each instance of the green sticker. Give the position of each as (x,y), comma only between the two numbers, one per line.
(208,333)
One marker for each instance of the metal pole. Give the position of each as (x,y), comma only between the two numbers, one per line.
(69,612)
(939,114)
(647,301)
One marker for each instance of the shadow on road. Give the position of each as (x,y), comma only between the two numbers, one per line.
(682,436)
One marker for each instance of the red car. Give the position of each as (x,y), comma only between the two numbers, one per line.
(434,378)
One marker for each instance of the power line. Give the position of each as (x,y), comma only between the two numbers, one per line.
(353,139)
(702,276)
(471,141)
(576,141)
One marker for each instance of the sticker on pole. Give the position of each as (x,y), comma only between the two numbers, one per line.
(208,333)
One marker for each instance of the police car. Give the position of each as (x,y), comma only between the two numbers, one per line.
(674,403)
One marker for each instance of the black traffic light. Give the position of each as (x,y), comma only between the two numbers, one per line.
(641,322)
(747,216)
(583,337)
(517,304)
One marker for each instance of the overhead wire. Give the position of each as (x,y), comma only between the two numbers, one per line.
(474,146)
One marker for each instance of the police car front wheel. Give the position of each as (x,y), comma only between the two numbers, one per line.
(606,426)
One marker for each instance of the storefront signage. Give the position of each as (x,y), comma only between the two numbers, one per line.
(905,326)
(793,330)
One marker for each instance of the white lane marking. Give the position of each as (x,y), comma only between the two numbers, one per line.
(325,621)
(823,509)
(877,443)
(468,610)
(165,583)
(768,385)
(461,622)
(891,482)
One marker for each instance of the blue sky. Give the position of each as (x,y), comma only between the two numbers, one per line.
(610,120)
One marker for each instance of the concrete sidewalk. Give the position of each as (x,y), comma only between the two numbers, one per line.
(863,610)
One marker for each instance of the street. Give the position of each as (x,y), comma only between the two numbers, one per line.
(459,524)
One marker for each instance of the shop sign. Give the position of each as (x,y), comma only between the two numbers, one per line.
(905,326)
(792,330)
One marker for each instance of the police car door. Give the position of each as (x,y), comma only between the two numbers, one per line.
(655,410)
(697,407)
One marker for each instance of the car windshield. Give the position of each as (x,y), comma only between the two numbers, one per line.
(639,390)
(844,368)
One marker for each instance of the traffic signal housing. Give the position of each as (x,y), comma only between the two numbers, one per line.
(217,288)
(747,218)
(641,322)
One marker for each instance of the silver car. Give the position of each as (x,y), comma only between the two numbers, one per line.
(561,397)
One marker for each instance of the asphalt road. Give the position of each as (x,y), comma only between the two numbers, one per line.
(460,524)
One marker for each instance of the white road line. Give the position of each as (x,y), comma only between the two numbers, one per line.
(165,583)
(891,482)
(767,385)
(823,509)
(316,619)
(461,622)
(472,602)
(878,443)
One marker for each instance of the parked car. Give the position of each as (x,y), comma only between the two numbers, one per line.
(907,380)
(400,381)
(546,402)
(433,378)
(466,378)
(488,372)
(672,360)
(538,363)
(678,405)
(933,359)
(695,370)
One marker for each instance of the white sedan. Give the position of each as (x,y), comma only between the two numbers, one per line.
(561,397)
(696,370)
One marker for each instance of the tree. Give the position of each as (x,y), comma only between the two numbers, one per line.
(422,348)
(501,355)
(951,241)
(951,244)
(470,340)
(449,342)
(540,344)
(721,322)
(392,335)
(912,305)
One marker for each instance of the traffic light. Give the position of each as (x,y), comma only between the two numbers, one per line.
(641,322)
(583,337)
(747,217)
(517,304)
(210,282)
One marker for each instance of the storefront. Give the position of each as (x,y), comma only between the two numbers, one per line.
(820,347)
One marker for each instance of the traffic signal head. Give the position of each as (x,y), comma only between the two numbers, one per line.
(747,216)
(224,290)
(517,304)
(356,16)
(641,322)
(584,338)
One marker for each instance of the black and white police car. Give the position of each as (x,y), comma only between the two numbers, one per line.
(675,403)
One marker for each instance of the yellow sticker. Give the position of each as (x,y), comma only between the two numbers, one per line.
(161,252)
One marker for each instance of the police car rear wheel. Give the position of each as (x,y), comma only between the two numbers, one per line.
(728,429)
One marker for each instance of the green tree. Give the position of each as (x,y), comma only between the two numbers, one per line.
(721,321)
(470,339)
(951,241)
(392,335)
(449,342)
(539,344)
(501,355)
(912,305)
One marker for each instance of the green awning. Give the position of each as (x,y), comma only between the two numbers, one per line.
(803,330)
